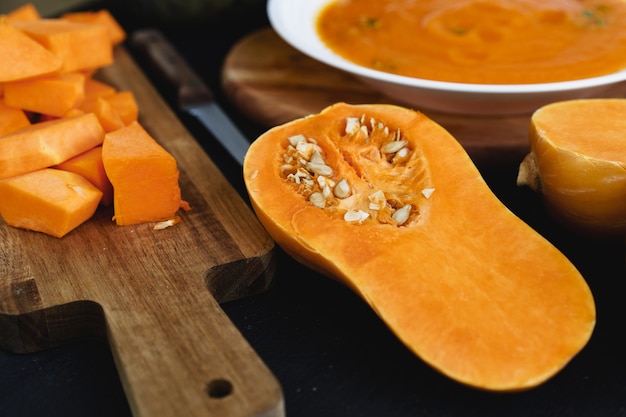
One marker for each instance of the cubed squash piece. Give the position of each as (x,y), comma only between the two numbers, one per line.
(96,88)
(45,144)
(26,11)
(107,115)
(89,165)
(81,46)
(126,106)
(11,119)
(51,201)
(102,17)
(52,95)
(22,57)
(144,176)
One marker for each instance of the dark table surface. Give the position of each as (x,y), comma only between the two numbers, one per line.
(329,351)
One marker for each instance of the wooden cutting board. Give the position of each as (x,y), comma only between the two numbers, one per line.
(153,294)
(273,83)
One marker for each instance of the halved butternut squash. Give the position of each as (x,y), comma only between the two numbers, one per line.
(386,201)
(577,161)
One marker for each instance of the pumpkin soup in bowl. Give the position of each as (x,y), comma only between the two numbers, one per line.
(469,56)
(480,41)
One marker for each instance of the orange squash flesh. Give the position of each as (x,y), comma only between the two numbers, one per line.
(96,88)
(107,115)
(45,144)
(578,163)
(89,165)
(11,119)
(144,176)
(51,95)
(26,11)
(51,201)
(81,46)
(113,110)
(125,105)
(102,17)
(463,283)
(22,57)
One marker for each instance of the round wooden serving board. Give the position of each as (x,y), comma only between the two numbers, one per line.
(273,83)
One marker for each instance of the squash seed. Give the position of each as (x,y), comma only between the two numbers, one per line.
(318,200)
(402,214)
(355,216)
(427,192)
(393,146)
(342,189)
(319,169)
(295,140)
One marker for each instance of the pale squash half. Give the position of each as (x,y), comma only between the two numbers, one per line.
(417,233)
(577,161)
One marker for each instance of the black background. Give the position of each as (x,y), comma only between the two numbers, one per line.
(329,351)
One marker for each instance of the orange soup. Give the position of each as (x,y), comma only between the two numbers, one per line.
(480,42)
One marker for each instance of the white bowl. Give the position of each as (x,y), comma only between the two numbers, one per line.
(294,21)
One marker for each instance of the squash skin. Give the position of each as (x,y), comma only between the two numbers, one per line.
(466,285)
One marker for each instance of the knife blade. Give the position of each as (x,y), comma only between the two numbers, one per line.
(192,94)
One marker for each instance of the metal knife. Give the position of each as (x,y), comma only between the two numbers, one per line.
(193,95)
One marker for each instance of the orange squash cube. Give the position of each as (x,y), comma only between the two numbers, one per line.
(103,17)
(52,95)
(26,11)
(11,119)
(144,176)
(126,106)
(80,46)
(46,144)
(22,57)
(50,201)
(96,88)
(89,165)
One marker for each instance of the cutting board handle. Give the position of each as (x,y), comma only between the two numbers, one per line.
(178,354)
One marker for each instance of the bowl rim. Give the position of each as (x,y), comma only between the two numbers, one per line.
(305,40)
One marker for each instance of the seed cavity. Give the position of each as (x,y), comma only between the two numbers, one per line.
(304,164)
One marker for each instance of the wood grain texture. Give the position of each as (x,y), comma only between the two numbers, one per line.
(273,83)
(153,294)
